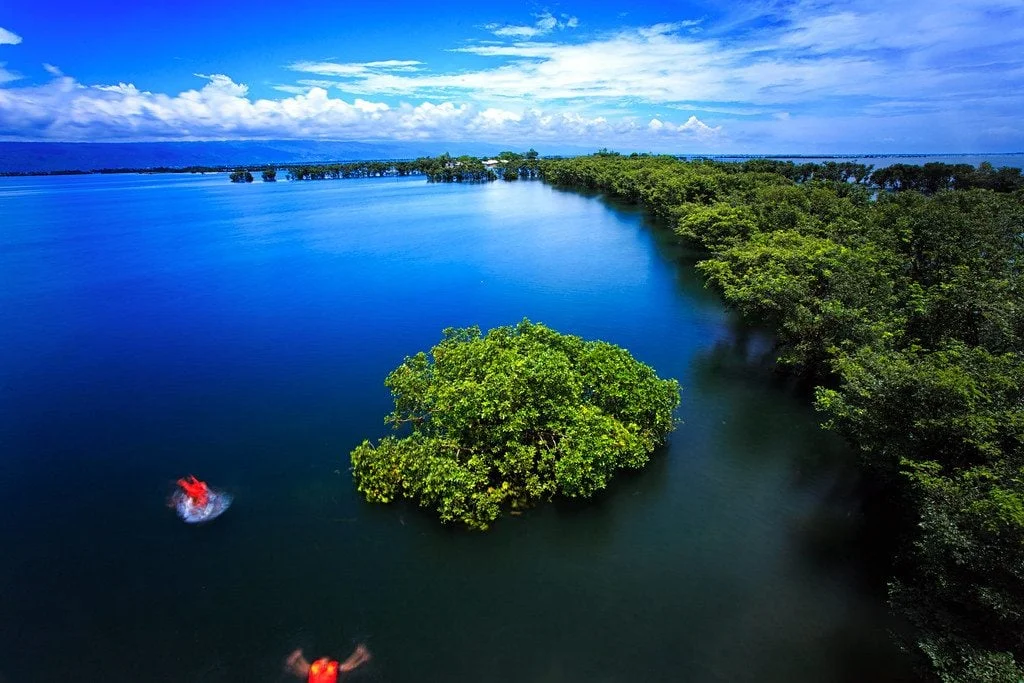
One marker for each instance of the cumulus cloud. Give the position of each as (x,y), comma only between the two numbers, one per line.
(65,109)
(8,37)
(546,23)
(693,127)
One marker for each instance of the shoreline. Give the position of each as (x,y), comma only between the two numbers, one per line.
(393,163)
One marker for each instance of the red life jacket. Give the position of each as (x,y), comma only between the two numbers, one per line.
(323,670)
(195,489)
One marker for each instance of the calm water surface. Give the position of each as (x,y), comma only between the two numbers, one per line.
(155,326)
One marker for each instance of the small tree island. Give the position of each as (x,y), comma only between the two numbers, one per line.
(513,417)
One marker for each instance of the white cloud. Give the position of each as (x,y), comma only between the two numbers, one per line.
(292,89)
(394,64)
(814,56)
(546,23)
(356,68)
(219,83)
(8,37)
(53,70)
(7,76)
(513,31)
(722,109)
(665,28)
(64,109)
(768,76)
(693,127)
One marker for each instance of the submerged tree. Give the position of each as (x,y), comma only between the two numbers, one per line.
(513,417)
(269,175)
(241,176)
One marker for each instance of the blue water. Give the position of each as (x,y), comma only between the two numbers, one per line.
(155,326)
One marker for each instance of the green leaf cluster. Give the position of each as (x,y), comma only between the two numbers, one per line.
(510,418)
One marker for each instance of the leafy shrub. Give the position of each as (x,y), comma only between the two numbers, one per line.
(513,417)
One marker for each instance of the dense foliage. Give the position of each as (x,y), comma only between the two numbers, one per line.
(933,177)
(354,169)
(899,292)
(513,417)
(507,166)
(513,166)
(449,169)
(269,174)
(241,176)
(441,169)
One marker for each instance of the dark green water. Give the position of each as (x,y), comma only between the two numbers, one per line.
(159,325)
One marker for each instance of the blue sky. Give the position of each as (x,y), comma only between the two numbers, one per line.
(810,76)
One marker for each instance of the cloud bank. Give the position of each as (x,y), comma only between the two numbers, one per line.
(64,109)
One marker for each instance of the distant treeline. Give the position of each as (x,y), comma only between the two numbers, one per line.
(445,168)
(110,171)
(928,179)
(441,169)
(355,169)
(900,294)
(509,166)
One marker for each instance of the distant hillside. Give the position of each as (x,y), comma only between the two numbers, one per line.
(88,156)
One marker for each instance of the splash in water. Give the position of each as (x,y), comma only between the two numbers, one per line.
(196,502)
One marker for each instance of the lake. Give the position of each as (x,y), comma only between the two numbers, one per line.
(155,326)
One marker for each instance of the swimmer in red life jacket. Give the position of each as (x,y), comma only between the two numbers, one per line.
(196,502)
(197,491)
(325,670)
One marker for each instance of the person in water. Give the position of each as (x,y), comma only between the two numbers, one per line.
(197,491)
(325,670)
(197,502)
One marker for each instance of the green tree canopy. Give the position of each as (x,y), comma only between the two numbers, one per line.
(513,417)
(899,292)
(964,591)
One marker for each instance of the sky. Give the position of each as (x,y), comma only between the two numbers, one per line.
(765,77)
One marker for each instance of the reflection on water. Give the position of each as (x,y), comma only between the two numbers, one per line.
(828,535)
(243,334)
